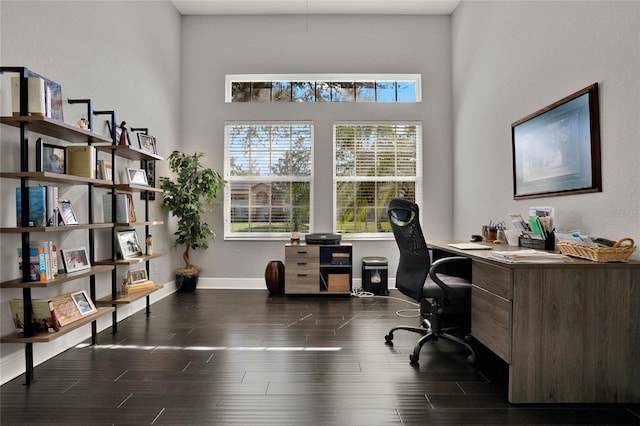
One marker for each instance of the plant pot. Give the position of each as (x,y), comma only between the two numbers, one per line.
(186,280)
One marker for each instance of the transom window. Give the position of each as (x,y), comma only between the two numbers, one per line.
(374,163)
(269,170)
(262,88)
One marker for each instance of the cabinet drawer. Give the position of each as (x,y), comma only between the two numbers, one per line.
(301,280)
(491,321)
(493,278)
(302,254)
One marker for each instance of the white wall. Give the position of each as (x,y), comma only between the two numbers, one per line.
(125,56)
(513,58)
(215,46)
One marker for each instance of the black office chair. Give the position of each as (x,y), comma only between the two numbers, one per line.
(445,299)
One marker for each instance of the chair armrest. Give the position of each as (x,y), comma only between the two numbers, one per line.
(451,292)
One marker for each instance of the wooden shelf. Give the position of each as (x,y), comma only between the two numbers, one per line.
(139,223)
(56,177)
(17,337)
(62,278)
(56,129)
(131,261)
(126,187)
(34,229)
(129,152)
(132,297)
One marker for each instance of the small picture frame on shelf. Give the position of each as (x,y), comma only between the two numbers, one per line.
(136,276)
(66,212)
(106,170)
(147,143)
(128,244)
(75,259)
(83,302)
(137,177)
(50,158)
(118,134)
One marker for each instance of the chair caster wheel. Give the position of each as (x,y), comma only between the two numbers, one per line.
(413,360)
(471,359)
(388,339)
(467,338)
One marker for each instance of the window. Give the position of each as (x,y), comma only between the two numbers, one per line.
(260,88)
(374,163)
(269,170)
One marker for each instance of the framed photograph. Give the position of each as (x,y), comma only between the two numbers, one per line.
(137,276)
(137,177)
(128,244)
(66,212)
(106,170)
(50,158)
(83,302)
(75,259)
(147,143)
(556,150)
(118,134)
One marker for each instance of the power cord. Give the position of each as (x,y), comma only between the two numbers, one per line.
(415,312)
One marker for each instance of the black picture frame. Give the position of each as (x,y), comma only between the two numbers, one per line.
(556,150)
(118,134)
(50,158)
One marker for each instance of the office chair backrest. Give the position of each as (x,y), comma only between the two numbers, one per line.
(414,263)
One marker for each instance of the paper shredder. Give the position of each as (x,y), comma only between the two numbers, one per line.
(375,275)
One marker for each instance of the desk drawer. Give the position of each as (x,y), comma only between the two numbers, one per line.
(491,321)
(493,278)
(301,280)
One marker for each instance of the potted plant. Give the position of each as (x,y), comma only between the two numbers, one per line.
(188,196)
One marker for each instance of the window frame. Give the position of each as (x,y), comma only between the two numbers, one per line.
(416,79)
(418,178)
(263,236)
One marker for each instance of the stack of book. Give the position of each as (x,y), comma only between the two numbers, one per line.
(43,206)
(43,260)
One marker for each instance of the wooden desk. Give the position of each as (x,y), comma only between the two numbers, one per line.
(570,332)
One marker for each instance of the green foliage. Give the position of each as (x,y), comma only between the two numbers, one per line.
(188,196)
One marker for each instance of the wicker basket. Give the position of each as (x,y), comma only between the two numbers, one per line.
(620,252)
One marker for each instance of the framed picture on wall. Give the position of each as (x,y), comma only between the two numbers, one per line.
(556,150)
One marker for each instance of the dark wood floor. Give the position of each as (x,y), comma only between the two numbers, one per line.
(217,357)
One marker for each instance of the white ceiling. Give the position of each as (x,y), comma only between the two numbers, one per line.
(315,7)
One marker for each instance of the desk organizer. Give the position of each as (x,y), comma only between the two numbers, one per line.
(620,252)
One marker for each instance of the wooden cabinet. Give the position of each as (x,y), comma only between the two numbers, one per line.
(318,269)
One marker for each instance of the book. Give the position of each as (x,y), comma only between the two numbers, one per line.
(81,161)
(35,99)
(54,260)
(144,286)
(34,263)
(37,206)
(42,315)
(123,210)
(52,206)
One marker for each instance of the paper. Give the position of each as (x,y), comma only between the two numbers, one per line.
(469,246)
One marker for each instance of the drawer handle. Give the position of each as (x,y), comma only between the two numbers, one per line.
(301,263)
(302,275)
(302,252)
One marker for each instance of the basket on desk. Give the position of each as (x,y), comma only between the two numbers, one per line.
(620,252)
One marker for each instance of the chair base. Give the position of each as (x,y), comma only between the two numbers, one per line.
(427,335)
